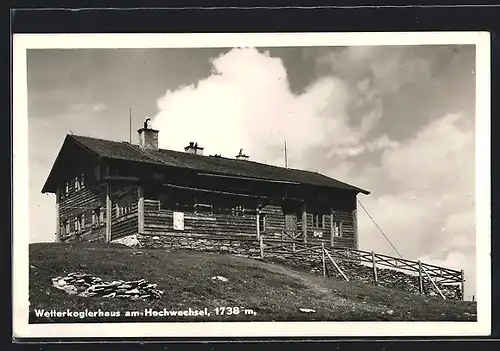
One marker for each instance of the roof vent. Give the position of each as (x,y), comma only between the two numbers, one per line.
(242,156)
(193,148)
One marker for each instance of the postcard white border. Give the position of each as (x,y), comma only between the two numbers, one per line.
(22,329)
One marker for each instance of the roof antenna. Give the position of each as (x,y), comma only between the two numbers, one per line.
(130,124)
(286,157)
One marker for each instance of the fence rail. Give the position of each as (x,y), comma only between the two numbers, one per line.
(436,275)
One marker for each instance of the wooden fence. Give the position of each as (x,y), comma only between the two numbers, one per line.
(434,274)
(331,256)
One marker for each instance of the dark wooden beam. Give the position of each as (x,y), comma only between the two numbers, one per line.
(58,221)
(126,178)
(213,191)
(355,228)
(332,237)
(247,178)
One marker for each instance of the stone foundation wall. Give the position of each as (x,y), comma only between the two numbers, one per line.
(250,248)
(359,272)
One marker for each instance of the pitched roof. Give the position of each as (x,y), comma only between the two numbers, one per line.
(208,164)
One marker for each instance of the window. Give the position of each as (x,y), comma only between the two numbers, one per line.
(262,223)
(82,181)
(123,207)
(67,229)
(98,217)
(203,208)
(77,224)
(62,230)
(181,201)
(95,218)
(337,228)
(77,184)
(238,211)
(101,216)
(318,220)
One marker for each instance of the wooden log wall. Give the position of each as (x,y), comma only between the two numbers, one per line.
(126,223)
(276,224)
(160,221)
(82,203)
(275,220)
(347,239)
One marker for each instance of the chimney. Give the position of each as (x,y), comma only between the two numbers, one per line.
(148,138)
(193,148)
(242,156)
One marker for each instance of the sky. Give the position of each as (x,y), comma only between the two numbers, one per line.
(395,120)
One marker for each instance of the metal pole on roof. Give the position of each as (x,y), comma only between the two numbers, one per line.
(130,124)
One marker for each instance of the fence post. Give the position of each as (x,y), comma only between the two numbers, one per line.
(261,244)
(258,223)
(304,222)
(323,258)
(462,284)
(420,278)
(374,262)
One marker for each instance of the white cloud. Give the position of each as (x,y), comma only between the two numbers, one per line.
(422,186)
(247,101)
(428,209)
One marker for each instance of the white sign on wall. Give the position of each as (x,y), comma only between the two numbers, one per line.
(178,221)
(318,233)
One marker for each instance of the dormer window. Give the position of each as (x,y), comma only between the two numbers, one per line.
(77,184)
(82,181)
(66,189)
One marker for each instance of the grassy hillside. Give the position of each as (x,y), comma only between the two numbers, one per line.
(274,292)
